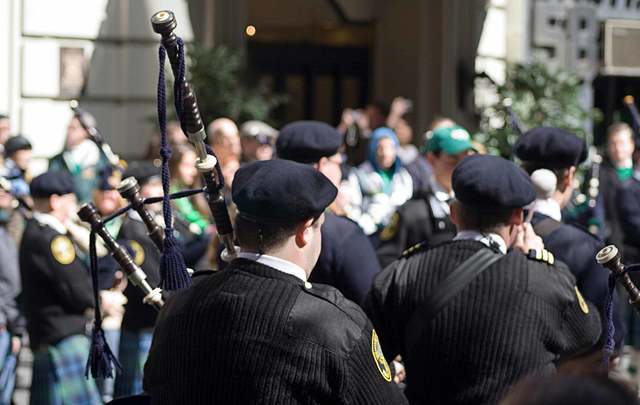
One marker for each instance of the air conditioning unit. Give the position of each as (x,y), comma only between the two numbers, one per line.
(622,48)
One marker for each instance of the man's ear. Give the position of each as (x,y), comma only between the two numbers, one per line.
(516,217)
(431,158)
(454,206)
(304,233)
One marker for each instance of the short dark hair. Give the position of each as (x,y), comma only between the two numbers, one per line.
(484,220)
(273,235)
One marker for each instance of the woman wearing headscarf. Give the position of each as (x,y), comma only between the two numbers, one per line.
(383,183)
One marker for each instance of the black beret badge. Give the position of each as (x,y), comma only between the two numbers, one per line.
(378,357)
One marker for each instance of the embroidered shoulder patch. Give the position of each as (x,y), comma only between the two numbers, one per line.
(138,252)
(583,304)
(378,357)
(390,231)
(62,250)
(542,256)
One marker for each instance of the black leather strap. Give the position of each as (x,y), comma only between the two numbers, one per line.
(451,286)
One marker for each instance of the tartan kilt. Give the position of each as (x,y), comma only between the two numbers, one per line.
(58,374)
(133,352)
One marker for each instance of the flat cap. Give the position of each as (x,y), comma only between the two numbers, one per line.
(551,148)
(260,131)
(281,192)
(50,183)
(491,182)
(16,143)
(307,141)
(142,171)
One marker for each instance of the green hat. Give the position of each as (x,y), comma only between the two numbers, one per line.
(450,140)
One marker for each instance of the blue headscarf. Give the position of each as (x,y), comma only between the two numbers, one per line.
(376,136)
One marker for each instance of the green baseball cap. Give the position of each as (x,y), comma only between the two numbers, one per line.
(450,140)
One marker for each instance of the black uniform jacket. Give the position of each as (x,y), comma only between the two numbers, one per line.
(519,316)
(347,260)
(56,285)
(138,315)
(577,248)
(419,220)
(251,334)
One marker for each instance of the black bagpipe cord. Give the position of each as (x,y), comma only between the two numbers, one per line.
(173,270)
(101,359)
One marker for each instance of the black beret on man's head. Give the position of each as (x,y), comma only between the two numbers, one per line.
(281,192)
(491,182)
(550,148)
(308,141)
(50,183)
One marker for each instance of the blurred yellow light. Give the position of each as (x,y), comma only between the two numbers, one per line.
(250,30)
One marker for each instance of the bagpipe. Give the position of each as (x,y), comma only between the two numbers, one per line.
(173,271)
(96,136)
(610,257)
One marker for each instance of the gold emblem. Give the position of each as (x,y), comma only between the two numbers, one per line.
(378,357)
(62,250)
(391,229)
(138,252)
(583,304)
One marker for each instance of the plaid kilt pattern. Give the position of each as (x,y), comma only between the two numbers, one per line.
(58,374)
(133,352)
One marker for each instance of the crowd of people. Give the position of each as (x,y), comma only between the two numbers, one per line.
(374,266)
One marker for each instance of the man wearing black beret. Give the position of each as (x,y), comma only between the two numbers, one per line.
(561,152)
(347,260)
(57,296)
(259,332)
(471,316)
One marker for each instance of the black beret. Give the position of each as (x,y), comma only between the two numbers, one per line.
(281,192)
(142,171)
(109,178)
(307,141)
(551,148)
(16,143)
(488,182)
(50,183)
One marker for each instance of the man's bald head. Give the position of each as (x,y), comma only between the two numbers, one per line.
(224,138)
(220,128)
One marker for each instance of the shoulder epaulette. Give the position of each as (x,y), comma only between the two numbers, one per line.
(418,247)
(542,255)
(201,273)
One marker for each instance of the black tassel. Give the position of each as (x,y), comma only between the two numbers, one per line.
(101,359)
(173,270)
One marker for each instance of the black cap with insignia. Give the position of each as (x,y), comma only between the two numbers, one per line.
(308,141)
(50,183)
(281,192)
(551,148)
(491,182)
(109,179)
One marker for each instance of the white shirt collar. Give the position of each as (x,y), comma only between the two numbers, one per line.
(277,263)
(625,164)
(439,191)
(548,207)
(485,238)
(50,220)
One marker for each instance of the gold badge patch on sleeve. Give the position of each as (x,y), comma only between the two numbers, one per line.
(389,231)
(62,250)
(583,304)
(138,252)
(378,357)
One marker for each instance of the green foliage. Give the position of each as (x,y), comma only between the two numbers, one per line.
(225,89)
(539,97)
